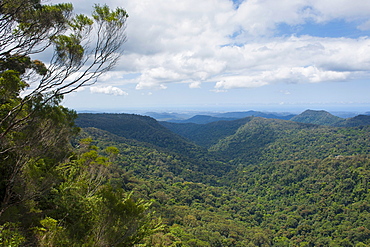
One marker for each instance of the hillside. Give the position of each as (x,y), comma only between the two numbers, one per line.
(140,128)
(317,117)
(147,132)
(203,119)
(275,183)
(267,140)
(136,155)
(230,116)
(360,120)
(255,114)
(325,118)
(206,135)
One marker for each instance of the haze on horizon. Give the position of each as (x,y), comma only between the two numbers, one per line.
(235,55)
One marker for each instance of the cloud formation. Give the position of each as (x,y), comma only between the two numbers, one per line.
(239,44)
(108,90)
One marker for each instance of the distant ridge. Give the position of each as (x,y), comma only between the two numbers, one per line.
(208,134)
(360,120)
(237,115)
(268,182)
(258,134)
(317,117)
(325,118)
(136,127)
(167,116)
(203,119)
(230,116)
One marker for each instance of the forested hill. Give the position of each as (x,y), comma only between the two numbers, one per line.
(269,140)
(136,127)
(146,131)
(360,120)
(263,182)
(256,139)
(317,117)
(255,114)
(325,118)
(202,119)
(229,116)
(209,134)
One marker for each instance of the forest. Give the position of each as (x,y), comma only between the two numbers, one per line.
(247,182)
(69,179)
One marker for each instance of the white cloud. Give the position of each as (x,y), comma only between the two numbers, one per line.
(195,84)
(309,74)
(110,76)
(191,41)
(240,82)
(335,9)
(261,17)
(108,90)
(293,59)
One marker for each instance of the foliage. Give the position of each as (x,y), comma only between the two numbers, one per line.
(52,194)
(10,235)
(254,181)
(90,210)
(140,128)
(29,28)
(75,204)
(317,117)
(268,183)
(287,184)
(208,134)
(150,133)
(263,140)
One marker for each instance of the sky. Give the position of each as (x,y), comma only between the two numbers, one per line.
(224,55)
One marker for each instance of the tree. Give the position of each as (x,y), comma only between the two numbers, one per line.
(87,210)
(33,126)
(35,131)
(83,49)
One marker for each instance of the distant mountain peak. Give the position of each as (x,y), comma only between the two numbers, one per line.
(319,117)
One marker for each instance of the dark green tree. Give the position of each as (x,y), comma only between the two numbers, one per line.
(49,195)
(31,120)
(83,49)
(84,209)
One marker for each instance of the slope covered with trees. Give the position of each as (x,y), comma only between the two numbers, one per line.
(286,184)
(53,194)
(317,117)
(206,135)
(126,180)
(228,116)
(141,128)
(360,120)
(325,118)
(270,140)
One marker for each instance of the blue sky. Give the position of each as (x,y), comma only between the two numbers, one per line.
(243,55)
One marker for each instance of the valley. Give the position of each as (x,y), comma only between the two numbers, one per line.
(252,181)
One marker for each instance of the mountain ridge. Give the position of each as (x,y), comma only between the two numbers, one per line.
(230,116)
(322,117)
(137,127)
(265,182)
(317,117)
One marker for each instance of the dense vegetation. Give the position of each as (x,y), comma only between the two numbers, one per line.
(227,116)
(308,116)
(317,117)
(127,180)
(51,193)
(284,183)
(325,118)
